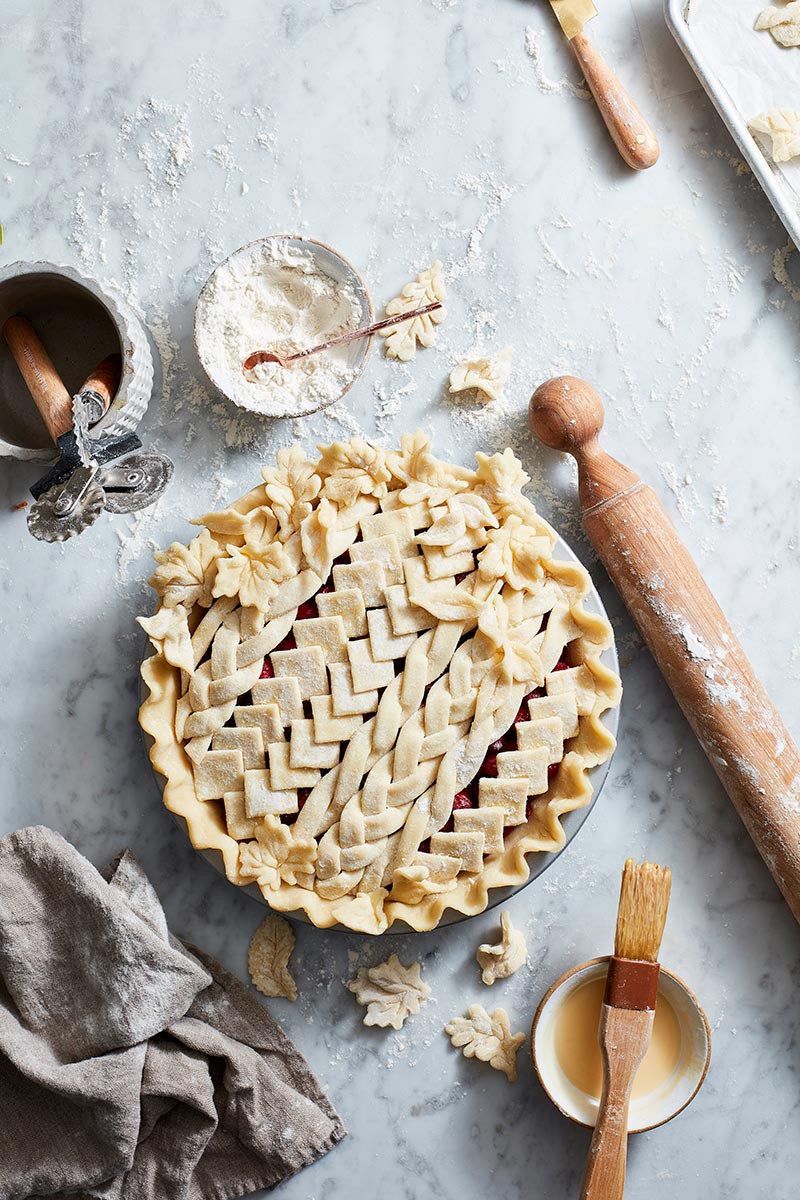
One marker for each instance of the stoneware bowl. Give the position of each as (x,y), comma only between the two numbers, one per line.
(648,1111)
(80,321)
(330,263)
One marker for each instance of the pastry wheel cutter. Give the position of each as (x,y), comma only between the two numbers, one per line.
(90,474)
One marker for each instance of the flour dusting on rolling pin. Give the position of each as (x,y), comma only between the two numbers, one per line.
(276,295)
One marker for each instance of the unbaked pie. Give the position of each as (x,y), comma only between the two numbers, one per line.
(374,691)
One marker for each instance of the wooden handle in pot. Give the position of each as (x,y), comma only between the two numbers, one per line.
(104,380)
(43,381)
(698,653)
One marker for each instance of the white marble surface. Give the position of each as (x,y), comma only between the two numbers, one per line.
(399,132)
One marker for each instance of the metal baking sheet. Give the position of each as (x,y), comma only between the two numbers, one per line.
(745,73)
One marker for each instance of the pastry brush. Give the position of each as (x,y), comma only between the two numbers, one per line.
(626,1020)
(632,135)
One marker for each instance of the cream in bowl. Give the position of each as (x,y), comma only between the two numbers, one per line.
(282,294)
(567,1059)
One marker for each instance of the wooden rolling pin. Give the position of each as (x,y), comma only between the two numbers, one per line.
(696,650)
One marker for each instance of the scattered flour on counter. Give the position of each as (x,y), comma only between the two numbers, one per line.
(272,296)
(389,401)
(550,254)
(720,509)
(682,489)
(133,540)
(494,194)
(166,151)
(780,270)
(550,86)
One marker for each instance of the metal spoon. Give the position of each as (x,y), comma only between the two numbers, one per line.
(285,360)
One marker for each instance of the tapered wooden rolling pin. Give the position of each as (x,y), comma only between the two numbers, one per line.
(697,651)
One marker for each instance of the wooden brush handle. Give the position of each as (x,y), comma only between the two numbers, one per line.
(698,653)
(44,383)
(624,1036)
(632,135)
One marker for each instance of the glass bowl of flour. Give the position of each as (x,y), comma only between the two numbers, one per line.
(283,294)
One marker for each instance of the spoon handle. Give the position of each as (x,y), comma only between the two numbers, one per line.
(365,330)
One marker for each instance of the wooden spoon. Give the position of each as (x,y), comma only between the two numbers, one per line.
(285,360)
(698,653)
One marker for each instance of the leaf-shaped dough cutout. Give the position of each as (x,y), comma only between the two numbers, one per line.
(268,958)
(783,23)
(502,959)
(782,125)
(390,992)
(487,375)
(487,1038)
(402,339)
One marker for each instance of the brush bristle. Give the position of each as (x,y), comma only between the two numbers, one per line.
(642,912)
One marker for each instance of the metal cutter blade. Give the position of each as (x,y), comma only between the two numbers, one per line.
(68,508)
(136,481)
(123,486)
(573,14)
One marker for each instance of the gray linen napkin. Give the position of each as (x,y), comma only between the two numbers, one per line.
(132,1067)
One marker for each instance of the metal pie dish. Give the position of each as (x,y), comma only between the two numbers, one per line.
(538,862)
(80,321)
(330,263)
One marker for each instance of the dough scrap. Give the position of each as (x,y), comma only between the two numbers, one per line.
(487,1038)
(487,375)
(427,288)
(502,959)
(783,23)
(783,127)
(390,992)
(268,958)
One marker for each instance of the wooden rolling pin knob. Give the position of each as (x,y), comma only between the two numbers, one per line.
(695,648)
(632,135)
(43,381)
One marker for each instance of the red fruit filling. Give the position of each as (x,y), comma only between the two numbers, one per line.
(288,643)
(489,768)
(462,800)
(306,611)
(302,796)
(266,670)
(561,665)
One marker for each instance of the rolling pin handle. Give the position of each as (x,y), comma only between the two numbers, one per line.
(567,415)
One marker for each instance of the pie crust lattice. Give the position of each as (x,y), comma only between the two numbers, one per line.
(374,690)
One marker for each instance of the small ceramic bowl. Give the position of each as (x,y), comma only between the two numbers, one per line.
(355,354)
(652,1109)
(80,321)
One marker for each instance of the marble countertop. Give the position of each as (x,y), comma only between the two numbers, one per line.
(144,142)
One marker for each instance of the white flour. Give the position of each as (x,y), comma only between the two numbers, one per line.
(272,296)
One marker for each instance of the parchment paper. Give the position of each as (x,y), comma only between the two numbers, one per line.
(755,72)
